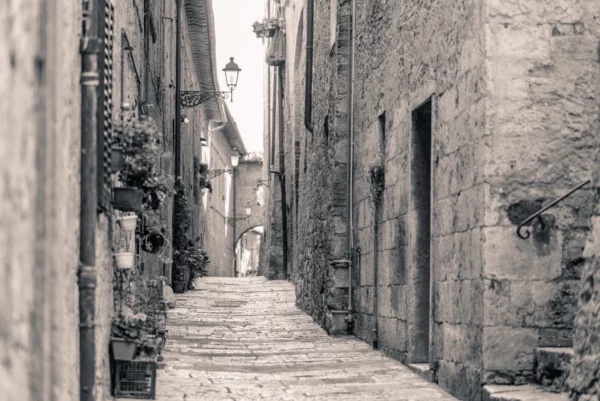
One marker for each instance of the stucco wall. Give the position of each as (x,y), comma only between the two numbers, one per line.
(39,200)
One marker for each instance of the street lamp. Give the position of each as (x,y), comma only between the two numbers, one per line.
(235,158)
(195,98)
(235,161)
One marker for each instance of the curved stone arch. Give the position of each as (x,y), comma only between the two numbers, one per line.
(239,237)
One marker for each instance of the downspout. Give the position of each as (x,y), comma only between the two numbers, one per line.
(178,92)
(310,26)
(177,141)
(90,49)
(234,215)
(350,169)
(284,244)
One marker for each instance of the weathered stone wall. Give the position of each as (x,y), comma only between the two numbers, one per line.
(541,121)
(583,378)
(39,199)
(219,238)
(248,175)
(512,94)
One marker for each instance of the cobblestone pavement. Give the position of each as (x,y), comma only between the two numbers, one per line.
(244,339)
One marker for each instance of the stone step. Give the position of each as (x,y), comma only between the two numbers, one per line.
(552,368)
(528,392)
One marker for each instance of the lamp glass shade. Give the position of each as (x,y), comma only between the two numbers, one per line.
(248,211)
(232,72)
(235,160)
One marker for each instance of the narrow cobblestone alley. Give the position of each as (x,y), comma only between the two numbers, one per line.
(244,339)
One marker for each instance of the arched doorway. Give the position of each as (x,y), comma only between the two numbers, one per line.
(247,251)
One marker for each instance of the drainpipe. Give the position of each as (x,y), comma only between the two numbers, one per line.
(350,169)
(233,220)
(310,26)
(178,92)
(284,236)
(90,49)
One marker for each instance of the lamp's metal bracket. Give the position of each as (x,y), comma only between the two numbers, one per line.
(194,98)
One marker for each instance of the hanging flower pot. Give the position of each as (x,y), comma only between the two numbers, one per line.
(123,350)
(128,223)
(153,242)
(127,199)
(152,200)
(117,159)
(125,260)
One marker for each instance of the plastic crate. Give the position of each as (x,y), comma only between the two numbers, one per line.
(135,379)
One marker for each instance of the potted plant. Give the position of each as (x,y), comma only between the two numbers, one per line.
(127,334)
(125,259)
(140,143)
(180,280)
(153,238)
(127,222)
(196,259)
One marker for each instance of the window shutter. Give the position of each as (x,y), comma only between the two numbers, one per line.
(105,106)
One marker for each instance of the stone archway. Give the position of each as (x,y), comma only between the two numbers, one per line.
(247,251)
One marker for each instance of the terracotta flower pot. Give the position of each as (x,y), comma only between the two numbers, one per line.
(127,199)
(123,350)
(125,260)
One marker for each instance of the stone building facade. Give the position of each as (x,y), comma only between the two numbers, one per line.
(434,130)
(45,186)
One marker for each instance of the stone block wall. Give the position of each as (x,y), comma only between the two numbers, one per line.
(541,121)
(512,94)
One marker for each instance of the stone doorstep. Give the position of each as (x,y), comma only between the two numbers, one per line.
(528,392)
(552,368)
(423,370)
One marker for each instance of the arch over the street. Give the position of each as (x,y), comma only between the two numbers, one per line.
(247,230)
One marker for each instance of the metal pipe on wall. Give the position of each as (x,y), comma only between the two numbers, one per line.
(310,27)
(350,171)
(90,49)
(284,244)
(178,92)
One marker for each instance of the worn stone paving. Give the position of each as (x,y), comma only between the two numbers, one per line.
(244,339)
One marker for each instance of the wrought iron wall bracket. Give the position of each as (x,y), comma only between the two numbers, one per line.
(230,219)
(194,98)
(217,172)
(538,214)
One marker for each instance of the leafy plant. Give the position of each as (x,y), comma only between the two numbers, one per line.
(186,253)
(376,179)
(154,237)
(201,175)
(129,326)
(140,142)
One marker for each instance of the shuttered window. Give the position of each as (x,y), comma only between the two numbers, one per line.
(105,106)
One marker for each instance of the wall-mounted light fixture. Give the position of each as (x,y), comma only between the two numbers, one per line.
(194,98)
(247,210)
(235,157)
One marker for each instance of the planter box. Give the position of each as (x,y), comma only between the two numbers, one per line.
(127,199)
(123,350)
